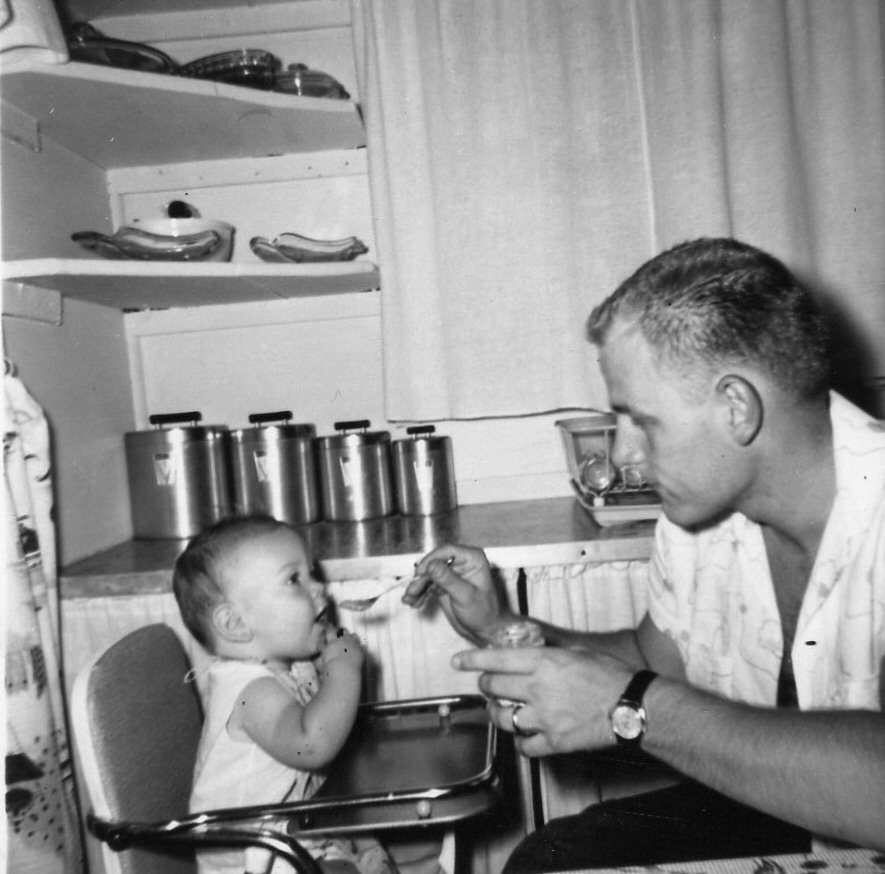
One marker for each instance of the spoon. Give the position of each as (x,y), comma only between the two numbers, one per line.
(360,605)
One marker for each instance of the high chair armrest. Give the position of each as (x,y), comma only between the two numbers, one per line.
(197,832)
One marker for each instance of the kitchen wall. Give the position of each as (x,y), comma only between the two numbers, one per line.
(78,371)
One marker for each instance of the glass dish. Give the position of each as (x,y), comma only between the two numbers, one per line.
(299,79)
(294,248)
(90,46)
(135,244)
(251,68)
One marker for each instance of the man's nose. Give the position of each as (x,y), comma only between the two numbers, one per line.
(627,450)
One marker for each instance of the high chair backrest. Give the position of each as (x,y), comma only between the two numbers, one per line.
(136,724)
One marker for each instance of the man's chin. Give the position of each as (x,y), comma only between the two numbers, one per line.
(691,518)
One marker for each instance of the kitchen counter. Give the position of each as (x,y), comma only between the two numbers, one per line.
(514,534)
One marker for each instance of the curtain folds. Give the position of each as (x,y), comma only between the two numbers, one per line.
(43,832)
(525,156)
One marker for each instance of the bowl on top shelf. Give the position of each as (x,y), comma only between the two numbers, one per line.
(91,46)
(252,68)
(301,80)
(163,239)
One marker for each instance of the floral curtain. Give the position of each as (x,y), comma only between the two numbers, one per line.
(526,155)
(43,835)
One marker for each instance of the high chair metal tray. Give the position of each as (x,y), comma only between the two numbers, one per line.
(416,762)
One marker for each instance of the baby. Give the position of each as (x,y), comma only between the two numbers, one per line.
(283,691)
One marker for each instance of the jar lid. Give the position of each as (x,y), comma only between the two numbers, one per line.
(275,425)
(178,435)
(422,434)
(360,435)
(168,426)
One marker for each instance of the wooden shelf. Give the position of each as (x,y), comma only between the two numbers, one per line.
(162,284)
(125,118)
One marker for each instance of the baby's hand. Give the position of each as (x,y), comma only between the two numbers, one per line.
(342,646)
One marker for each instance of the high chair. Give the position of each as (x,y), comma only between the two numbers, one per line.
(136,726)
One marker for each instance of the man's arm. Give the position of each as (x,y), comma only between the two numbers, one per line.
(643,647)
(823,770)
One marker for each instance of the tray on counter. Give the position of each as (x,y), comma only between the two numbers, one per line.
(620,508)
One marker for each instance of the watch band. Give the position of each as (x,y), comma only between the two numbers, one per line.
(637,686)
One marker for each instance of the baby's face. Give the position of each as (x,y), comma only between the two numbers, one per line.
(272,588)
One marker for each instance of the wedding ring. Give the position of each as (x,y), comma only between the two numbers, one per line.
(514,714)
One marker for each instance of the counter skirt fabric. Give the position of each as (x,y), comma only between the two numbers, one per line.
(43,835)
(712,591)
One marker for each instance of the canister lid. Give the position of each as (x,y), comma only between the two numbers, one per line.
(274,426)
(425,434)
(359,436)
(168,430)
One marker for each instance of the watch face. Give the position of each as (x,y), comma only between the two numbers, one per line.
(628,721)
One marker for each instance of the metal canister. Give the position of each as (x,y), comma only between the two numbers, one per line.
(179,477)
(273,467)
(355,475)
(424,473)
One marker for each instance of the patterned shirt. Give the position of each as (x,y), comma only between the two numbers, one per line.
(712,592)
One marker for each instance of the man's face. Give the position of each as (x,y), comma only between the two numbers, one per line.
(675,436)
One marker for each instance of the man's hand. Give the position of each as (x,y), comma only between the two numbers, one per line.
(567,694)
(461,580)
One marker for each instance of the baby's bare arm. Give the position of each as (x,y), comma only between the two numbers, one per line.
(305,736)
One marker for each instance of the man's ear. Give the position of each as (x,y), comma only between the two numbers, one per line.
(743,406)
(229,625)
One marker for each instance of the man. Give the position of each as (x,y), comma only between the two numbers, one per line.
(756,671)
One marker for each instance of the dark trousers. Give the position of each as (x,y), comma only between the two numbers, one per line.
(675,824)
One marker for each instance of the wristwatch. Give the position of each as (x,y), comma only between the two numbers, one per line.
(628,717)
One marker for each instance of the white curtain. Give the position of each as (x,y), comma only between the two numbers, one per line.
(526,155)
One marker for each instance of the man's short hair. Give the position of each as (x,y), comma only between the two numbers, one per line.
(718,301)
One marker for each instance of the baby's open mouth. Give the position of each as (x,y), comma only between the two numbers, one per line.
(322,616)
